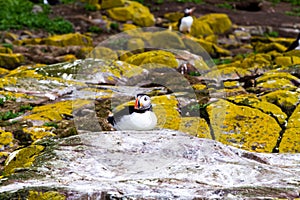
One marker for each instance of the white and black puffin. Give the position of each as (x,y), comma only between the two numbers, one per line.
(295,45)
(138,117)
(185,23)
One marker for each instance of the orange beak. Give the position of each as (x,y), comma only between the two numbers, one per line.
(136,104)
(193,9)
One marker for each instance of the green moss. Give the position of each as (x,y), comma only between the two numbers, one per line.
(22,158)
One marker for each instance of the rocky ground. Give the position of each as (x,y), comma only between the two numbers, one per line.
(247,96)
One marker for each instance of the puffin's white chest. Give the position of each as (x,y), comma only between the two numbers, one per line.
(186,24)
(137,121)
(298,47)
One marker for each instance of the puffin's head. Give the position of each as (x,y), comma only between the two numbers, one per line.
(189,11)
(142,102)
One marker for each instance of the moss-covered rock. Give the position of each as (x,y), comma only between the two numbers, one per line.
(53,195)
(105,4)
(11,60)
(243,127)
(219,22)
(166,40)
(139,14)
(22,158)
(3,71)
(161,57)
(68,40)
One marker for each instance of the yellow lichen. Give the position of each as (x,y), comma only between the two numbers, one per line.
(22,158)
(6,138)
(195,126)
(219,22)
(53,195)
(165,108)
(56,111)
(68,40)
(160,57)
(39,132)
(243,127)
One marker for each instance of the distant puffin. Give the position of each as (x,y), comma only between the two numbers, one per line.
(140,116)
(185,23)
(295,45)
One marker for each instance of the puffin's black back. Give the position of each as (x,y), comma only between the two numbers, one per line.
(294,44)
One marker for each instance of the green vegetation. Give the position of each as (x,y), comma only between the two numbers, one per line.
(25,107)
(17,14)
(294,12)
(2,100)
(272,34)
(225,5)
(51,124)
(219,61)
(9,115)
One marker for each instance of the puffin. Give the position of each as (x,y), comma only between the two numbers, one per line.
(295,45)
(185,23)
(140,116)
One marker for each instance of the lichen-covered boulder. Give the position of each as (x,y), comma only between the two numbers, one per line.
(219,22)
(6,139)
(257,61)
(286,100)
(39,132)
(267,47)
(11,61)
(173,16)
(274,80)
(55,112)
(243,127)
(54,195)
(254,102)
(68,40)
(21,158)
(103,53)
(286,61)
(135,44)
(166,40)
(160,57)
(201,28)
(291,137)
(105,4)
(5,50)
(139,14)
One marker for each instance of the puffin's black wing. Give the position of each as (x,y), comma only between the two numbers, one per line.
(292,46)
(178,24)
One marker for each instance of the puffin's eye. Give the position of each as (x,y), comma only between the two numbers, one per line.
(145,99)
